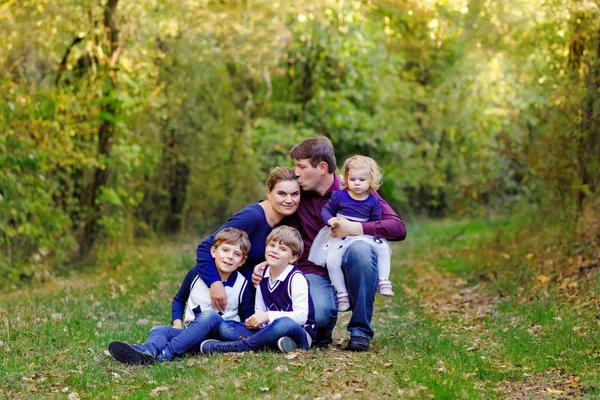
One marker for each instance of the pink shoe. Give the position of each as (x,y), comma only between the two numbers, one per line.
(384,286)
(343,301)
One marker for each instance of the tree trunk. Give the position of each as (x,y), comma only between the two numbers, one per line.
(106,133)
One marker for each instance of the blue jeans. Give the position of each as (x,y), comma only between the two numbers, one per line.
(360,268)
(325,304)
(179,341)
(232,331)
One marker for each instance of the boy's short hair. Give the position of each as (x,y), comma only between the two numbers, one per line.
(288,236)
(234,237)
(363,162)
(317,149)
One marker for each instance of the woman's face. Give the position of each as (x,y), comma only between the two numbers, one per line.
(285,197)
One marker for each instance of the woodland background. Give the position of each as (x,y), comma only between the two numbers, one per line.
(123,120)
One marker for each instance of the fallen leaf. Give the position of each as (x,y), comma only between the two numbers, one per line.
(291,356)
(554,391)
(73,396)
(158,390)
(190,362)
(281,368)
(542,278)
(264,389)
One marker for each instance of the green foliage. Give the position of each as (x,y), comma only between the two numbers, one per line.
(467,106)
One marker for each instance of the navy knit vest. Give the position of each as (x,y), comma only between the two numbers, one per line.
(279,298)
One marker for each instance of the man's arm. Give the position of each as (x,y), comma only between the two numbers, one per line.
(389,227)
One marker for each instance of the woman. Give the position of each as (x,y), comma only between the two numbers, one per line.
(257,220)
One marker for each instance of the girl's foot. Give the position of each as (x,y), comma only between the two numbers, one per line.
(343,300)
(384,286)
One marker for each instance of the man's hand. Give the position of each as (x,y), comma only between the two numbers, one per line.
(177,324)
(257,274)
(346,228)
(256,320)
(218,296)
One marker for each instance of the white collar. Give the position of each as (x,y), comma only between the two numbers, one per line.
(281,276)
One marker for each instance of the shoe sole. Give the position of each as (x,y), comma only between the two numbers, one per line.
(286,345)
(127,354)
(357,348)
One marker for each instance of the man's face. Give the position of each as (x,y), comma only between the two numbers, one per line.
(309,177)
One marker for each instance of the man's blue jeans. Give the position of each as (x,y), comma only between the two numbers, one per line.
(179,341)
(233,332)
(360,269)
(325,304)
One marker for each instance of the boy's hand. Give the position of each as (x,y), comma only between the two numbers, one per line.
(218,296)
(177,324)
(257,320)
(346,228)
(257,274)
(333,222)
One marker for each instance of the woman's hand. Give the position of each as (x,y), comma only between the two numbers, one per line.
(218,296)
(345,228)
(257,274)
(177,324)
(257,320)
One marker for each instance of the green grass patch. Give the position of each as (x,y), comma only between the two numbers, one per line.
(469,320)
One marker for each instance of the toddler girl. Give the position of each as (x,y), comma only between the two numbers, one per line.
(356,202)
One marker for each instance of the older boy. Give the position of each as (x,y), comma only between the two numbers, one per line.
(284,316)
(315,163)
(229,249)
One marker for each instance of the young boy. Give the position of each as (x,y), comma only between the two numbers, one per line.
(229,249)
(284,312)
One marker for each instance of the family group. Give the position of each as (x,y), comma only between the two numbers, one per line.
(277,273)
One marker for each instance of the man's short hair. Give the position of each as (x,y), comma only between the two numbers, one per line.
(317,149)
(233,236)
(288,236)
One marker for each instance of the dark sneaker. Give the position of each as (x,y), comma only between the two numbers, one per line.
(209,346)
(286,344)
(164,356)
(357,343)
(127,354)
(323,340)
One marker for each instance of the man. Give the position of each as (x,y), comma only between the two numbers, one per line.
(315,163)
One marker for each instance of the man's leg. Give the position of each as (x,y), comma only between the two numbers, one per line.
(360,266)
(324,300)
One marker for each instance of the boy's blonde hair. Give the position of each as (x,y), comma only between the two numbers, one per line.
(363,162)
(233,236)
(288,236)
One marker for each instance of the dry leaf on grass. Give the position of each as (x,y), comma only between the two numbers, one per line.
(156,391)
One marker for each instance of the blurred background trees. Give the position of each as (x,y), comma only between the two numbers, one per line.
(127,119)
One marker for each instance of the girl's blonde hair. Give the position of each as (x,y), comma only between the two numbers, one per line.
(363,162)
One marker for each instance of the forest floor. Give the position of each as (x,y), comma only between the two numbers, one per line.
(484,308)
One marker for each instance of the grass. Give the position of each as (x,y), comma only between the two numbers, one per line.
(470,319)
